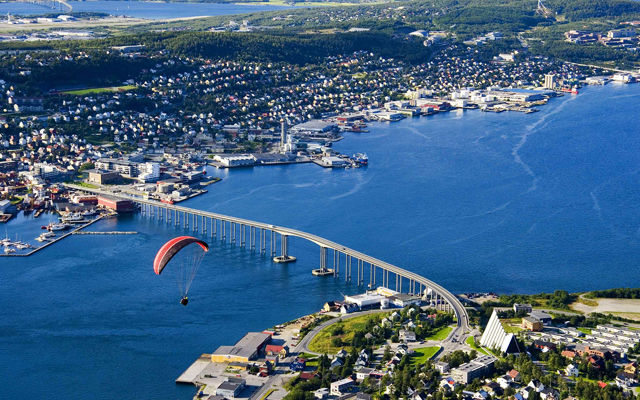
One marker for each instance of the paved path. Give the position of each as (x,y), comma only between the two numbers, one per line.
(303,344)
(454,341)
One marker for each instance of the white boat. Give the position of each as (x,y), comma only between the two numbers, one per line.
(45,236)
(58,227)
(89,213)
(8,250)
(72,217)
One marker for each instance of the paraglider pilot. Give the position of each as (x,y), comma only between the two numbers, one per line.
(170,249)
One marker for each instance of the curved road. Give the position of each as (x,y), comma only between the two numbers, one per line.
(458,307)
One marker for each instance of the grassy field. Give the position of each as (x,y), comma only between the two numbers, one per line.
(586,331)
(87,185)
(322,342)
(511,325)
(312,359)
(441,334)
(472,343)
(84,92)
(628,315)
(423,354)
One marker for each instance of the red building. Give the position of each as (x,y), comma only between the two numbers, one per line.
(121,206)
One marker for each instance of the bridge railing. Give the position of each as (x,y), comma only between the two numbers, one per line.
(457,307)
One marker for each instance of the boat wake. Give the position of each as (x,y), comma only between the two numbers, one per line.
(418,133)
(355,189)
(597,208)
(489,212)
(530,130)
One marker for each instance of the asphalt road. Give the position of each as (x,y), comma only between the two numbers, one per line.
(455,340)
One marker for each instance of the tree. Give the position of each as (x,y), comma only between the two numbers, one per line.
(299,394)
(387,354)
(86,166)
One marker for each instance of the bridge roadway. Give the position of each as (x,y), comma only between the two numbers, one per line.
(50,3)
(455,304)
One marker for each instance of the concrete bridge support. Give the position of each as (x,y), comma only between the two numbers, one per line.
(284,256)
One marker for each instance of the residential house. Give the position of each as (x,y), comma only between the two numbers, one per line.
(442,367)
(276,350)
(342,387)
(448,384)
(571,370)
(626,379)
(407,336)
(515,375)
(332,306)
(536,385)
(336,362)
(321,393)
(504,381)
(522,308)
(631,368)
(549,394)
(363,373)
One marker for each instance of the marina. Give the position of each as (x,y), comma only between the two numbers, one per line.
(48,238)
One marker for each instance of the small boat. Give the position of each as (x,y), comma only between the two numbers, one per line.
(72,217)
(45,236)
(8,250)
(89,213)
(361,158)
(57,227)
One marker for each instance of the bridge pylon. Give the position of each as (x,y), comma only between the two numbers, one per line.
(284,257)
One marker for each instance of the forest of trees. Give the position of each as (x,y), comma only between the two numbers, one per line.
(621,293)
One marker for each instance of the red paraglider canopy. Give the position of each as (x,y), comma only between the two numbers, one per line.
(171,248)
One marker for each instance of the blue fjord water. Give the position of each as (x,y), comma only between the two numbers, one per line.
(141,9)
(475,201)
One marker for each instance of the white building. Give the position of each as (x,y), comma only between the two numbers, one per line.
(149,172)
(622,77)
(364,300)
(341,387)
(495,337)
(572,370)
(241,160)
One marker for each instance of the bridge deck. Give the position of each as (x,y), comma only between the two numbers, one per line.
(457,306)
